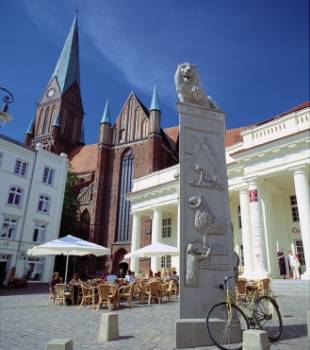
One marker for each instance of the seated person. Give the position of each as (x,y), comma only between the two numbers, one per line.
(129,276)
(75,283)
(55,280)
(75,280)
(111,278)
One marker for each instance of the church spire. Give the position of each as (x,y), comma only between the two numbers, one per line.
(67,70)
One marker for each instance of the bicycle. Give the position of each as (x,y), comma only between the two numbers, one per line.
(265,315)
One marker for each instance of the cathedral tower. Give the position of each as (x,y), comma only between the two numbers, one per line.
(58,121)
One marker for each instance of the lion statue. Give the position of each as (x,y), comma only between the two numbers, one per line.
(189,88)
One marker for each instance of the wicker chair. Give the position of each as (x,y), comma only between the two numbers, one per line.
(153,292)
(107,295)
(126,293)
(63,293)
(88,295)
(241,290)
(264,286)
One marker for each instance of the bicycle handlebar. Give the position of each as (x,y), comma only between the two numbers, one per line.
(225,284)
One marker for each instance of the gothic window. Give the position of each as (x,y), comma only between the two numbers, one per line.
(45,121)
(124,222)
(144,128)
(123,135)
(64,121)
(39,123)
(85,224)
(51,119)
(138,124)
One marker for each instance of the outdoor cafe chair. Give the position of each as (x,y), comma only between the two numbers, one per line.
(126,293)
(264,287)
(153,292)
(63,292)
(241,290)
(107,295)
(88,295)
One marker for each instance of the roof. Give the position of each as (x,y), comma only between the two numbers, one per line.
(233,136)
(295,109)
(172,133)
(67,70)
(83,159)
(106,116)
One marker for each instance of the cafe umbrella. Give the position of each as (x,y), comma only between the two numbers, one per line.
(68,245)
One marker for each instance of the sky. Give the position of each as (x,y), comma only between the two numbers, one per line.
(252,56)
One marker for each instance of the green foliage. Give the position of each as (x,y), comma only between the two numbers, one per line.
(69,218)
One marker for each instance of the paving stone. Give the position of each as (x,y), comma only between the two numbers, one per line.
(28,323)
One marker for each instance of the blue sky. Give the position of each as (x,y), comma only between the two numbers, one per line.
(252,55)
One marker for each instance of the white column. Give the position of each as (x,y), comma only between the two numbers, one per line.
(156,233)
(257,230)
(303,202)
(178,227)
(135,241)
(270,239)
(246,233)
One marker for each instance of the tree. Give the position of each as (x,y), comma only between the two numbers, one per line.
(69,217)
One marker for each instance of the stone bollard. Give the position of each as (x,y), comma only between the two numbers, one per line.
(108,327)
(254,339)
(308,323)
(59,344)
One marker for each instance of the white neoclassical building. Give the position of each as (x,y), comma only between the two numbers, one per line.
(32,185)
(268,177)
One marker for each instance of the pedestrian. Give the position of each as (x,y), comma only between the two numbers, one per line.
(294,264)
(282,264)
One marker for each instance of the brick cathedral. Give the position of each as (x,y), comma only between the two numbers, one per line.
(133,146)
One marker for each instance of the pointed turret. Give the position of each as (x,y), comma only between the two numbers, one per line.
(106,116)
(155,114)
(105,125)
(67,70)
(30,132)
(155,100)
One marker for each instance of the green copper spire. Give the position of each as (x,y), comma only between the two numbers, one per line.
(106,116)
(67,70)
(155,100)
(30,129)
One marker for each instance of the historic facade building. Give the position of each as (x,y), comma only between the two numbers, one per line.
(133,146)
(31,198)
(268,178)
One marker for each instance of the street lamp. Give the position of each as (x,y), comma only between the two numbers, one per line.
(5,117)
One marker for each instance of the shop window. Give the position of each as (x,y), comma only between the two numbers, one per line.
(299,251)
(34,268)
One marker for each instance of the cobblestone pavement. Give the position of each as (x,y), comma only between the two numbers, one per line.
(27,323)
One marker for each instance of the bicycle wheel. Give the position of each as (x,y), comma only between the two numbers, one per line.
(223,326)
(268,317)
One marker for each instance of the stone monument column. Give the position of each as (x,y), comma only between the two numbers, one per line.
(257,229)
(206,242)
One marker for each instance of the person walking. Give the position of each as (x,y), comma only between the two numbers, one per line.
(294,264)
(282,264)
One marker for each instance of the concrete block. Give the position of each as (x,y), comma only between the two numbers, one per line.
(308,323)
(60,344)
(192,333)
(108,327)
(254,339)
